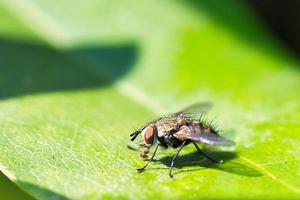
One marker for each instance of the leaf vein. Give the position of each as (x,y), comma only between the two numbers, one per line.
(272,176)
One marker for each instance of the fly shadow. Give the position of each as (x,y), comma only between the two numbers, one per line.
(195,159)
(28,68)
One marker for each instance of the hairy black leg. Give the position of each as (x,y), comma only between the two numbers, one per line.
(150,160)
(174,157)
(206,155)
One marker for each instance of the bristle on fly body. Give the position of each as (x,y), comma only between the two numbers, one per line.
(212,124)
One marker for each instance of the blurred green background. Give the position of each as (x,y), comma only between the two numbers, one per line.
(77,77)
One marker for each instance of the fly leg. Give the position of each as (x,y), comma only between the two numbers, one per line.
(174,157)
(206,155)
(149,161)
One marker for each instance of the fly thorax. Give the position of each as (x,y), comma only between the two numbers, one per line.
(181,121)
(161,131)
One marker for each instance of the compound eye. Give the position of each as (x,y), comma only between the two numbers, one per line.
(148,135)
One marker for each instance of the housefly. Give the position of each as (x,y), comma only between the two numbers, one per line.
(179,129)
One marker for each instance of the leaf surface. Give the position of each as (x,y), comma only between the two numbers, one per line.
(77,79)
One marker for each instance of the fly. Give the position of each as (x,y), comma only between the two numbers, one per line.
(178,130)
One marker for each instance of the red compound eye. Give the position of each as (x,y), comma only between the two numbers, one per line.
(148,134)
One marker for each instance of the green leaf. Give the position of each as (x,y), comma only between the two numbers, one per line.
(77,78)
(9,190)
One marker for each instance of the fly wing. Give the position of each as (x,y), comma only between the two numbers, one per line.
(212,139)
(188,133)
(197,108)
(193,111)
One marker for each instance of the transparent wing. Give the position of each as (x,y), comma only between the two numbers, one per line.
(192,111)
(188,133)
(212,139)
(196,109)
(202,107)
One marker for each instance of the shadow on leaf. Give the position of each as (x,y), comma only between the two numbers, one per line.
(27,68)
(195,159)
(11,191)
(239,19)
(39,192)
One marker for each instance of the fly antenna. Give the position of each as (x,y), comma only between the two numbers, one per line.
(134,135)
